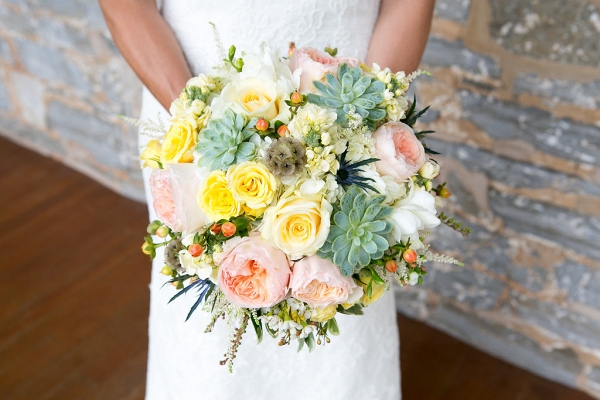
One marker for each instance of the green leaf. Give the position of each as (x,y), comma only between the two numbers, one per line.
(257,324)
(300,344)
(332,327)
(354,310)
(310,341)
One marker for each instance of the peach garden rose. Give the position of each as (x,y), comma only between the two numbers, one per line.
(319,283)
(252,273)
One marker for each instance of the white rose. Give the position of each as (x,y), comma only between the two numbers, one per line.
(194,265)
(429,170)
(412,214)
(297,225)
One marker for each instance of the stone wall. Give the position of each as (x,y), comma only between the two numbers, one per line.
(514,97)
(63,84)
(515,93)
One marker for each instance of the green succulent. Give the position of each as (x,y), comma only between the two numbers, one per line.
(358,231)
(350,90)
(227,141)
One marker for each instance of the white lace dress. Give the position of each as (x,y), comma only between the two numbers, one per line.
(183,362)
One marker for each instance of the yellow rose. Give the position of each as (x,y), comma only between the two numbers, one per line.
(252,184)
(377,290)
(216,200)
(151,154)
(179,143)
(254,97)
(253,213)
(298,225)
(324,314)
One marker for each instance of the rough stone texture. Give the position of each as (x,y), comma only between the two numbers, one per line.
(515,97)
(455,10)
(538,29)
(442,53)
(516,108)
(585,95)
(62,87)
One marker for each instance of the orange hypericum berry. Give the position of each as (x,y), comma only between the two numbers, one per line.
(215,229)
(391,266)
(410,256)
(228,229)
(296,98)
(262,125)
(282,130)
(195,249)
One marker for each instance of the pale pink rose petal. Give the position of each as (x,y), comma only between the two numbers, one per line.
(399,151)
(315,65)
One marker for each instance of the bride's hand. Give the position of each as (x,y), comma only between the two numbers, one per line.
(148,45)
(400,34)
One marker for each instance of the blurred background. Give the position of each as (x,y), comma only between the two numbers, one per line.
(514,96)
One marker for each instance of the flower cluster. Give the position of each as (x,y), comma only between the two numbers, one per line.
(290,190)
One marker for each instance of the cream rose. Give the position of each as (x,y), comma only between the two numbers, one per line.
(315,65)
(253,97)
(319,283)
(252,184)
(297,225)
(400,153)
(252,273)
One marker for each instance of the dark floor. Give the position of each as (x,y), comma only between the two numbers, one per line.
(74,301)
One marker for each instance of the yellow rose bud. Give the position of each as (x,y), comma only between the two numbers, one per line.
(151,154)
(324,314)
(252,184)
(377,290)
(179,143)
(215,198)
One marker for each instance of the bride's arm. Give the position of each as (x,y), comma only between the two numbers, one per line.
(400,34)
(148,45)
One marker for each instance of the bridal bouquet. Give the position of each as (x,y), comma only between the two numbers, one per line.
(291,189)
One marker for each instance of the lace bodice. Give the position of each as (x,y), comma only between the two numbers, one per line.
(345,24)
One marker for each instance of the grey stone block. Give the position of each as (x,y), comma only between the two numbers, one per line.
(440,53)
(567,228)
(580,282)
(561,365)
(513,173)
(29,95)
(5,53)
(52,65)
(100,138)
(533,28)
(474,288)
(58,34)
(4,98)
(565,323)
(69,8)
(21,22)
(38,140)
(580,94)
(559,137)
(455,10)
